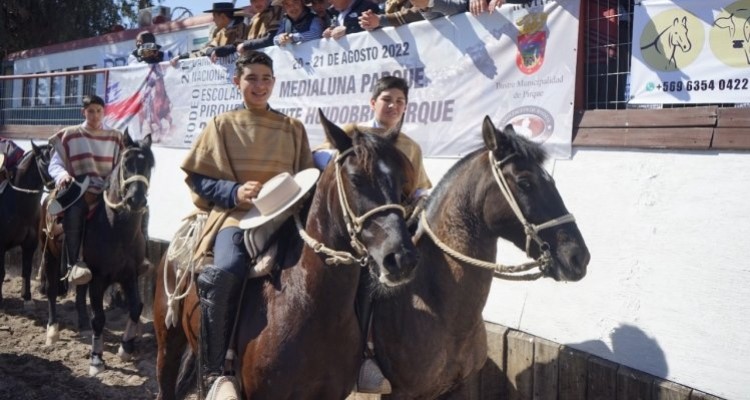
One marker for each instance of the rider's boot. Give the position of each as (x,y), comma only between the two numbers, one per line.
(219,292)
(73,223)
(371,378)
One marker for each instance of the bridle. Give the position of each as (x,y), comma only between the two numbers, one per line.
(531,231)
(42,174)
(124,182)
(354,224)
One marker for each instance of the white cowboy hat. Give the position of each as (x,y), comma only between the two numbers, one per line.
(2,161)
(277,195)
(68,195)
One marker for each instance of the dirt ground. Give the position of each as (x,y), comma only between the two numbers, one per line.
(30,370)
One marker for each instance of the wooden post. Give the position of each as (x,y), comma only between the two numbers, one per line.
(520,366)
(546,354)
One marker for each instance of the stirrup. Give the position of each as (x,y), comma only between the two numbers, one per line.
(78,274)
(371,379)
(224,388)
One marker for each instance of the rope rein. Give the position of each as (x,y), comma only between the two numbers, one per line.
(508,272)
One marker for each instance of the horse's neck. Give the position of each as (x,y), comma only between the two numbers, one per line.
(311,277)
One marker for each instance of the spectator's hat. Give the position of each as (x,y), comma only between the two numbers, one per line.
(68,195)
(222,7)
(243,12)
(278,195)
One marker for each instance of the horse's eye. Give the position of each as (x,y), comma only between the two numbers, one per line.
(524,184)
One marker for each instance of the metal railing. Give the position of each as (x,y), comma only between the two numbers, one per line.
(48,98)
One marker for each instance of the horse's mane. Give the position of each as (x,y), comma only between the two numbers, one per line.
(522,147)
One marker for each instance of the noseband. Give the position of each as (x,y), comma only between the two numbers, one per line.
(353,222)
(532,233)
(124,182)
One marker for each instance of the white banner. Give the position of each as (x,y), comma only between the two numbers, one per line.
(691,51)
(516,65)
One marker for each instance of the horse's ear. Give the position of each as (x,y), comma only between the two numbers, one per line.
(335,135)
(34,148)
(489,134)
(146,142)
(126,139)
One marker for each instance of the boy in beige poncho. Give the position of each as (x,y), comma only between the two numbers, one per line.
(226,168)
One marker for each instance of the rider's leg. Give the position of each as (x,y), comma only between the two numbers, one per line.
(219,289)
(73,223)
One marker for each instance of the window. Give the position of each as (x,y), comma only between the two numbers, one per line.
(72,89)
(89,81)
(42,91)
(56,94)
(27,93)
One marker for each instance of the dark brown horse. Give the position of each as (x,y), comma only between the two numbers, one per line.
(430,336)
(113,248)
(299,338)
(19,213)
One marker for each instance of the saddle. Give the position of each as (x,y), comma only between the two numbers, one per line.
(260,242)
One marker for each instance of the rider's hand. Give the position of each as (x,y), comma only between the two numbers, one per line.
(64,181)
(494,4)
(247,192)
(477,6)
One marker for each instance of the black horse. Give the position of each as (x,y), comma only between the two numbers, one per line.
(114,246)
(19,212)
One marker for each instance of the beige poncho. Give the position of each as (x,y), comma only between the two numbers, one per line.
(240,146)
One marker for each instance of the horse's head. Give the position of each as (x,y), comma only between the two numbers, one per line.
(32,173)
(129,180)
(541,225)
(370,175)
(678,35)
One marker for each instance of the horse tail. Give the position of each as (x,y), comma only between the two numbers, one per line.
(187,377)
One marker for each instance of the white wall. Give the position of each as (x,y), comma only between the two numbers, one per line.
(669,280)
(668,285)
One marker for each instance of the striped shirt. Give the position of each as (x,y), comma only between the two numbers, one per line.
(81,150)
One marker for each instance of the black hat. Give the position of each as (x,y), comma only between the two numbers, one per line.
(222,7)
(68,195)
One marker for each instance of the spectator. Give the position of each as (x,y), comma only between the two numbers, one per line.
(146,50)
(450,7)
(345,17)
(602,36)
(299,24)
(228,31)
(397,12)
(320,8)
(263,26)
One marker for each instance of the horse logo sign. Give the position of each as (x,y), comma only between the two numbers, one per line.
(667,41)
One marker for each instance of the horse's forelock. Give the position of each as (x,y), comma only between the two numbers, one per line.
(524,148)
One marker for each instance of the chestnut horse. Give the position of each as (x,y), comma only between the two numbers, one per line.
(440,310)
(299,336)
(113,248)
(19,211)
